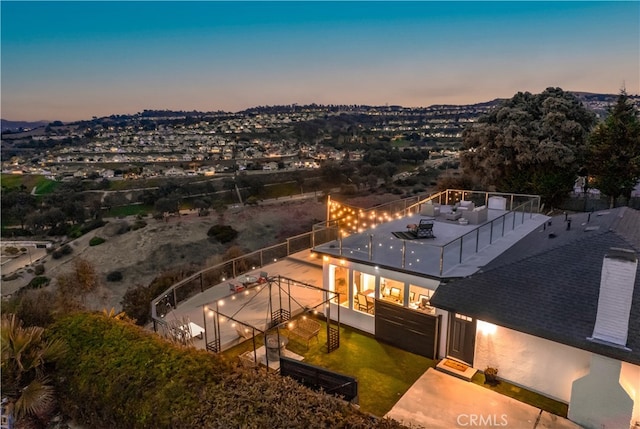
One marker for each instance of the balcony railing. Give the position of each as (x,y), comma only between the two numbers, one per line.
(335,228)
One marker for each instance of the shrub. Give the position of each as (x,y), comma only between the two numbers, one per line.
(62,251)
(39,269)
(96,241)
(11,250)
(123,376)
(38,282)
(114,276)
(222,233)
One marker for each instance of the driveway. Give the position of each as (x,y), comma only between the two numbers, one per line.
(440,401)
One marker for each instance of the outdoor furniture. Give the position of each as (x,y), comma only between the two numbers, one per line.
(453,215)
(465,205)
(430,209)
(244,331)
(477,215)
(304,329)
(236,287)
(275,345)
(424,229)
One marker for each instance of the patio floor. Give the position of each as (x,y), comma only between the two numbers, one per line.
(440,401)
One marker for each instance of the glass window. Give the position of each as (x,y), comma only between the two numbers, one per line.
(392,290)
(420,299)
(338,281)
(364,288)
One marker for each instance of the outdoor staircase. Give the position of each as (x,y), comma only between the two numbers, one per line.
(456,368)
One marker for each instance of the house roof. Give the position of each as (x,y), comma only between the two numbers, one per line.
(549,286)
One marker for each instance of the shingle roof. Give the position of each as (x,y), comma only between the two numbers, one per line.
(549,287)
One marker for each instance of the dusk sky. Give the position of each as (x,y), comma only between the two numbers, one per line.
(74,60)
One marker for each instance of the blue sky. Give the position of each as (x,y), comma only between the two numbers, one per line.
(74,60)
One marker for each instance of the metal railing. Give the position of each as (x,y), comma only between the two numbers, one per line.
(333,230)
(216,274)
(518,207)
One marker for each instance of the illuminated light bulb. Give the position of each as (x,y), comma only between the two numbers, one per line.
(210,313)
(233,325)
(221,302)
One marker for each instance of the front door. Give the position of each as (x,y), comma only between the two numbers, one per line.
(462,337)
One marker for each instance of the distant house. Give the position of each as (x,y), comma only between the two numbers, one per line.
(174,171)
(107,174)
(207,171)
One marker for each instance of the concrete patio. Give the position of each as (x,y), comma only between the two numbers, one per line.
(440,401)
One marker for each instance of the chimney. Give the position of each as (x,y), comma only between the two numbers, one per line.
(616,292)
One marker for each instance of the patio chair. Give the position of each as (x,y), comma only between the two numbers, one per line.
(425,229)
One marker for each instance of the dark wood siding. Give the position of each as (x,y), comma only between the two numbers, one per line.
(410,330)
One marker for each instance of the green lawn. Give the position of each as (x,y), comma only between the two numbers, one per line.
(279,190)
(524,395)
(43,186)
(384,372)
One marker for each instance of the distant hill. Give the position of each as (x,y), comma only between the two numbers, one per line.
(13,126)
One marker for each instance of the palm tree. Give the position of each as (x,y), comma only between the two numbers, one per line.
(26,355)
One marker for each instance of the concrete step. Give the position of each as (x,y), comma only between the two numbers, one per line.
(456,368)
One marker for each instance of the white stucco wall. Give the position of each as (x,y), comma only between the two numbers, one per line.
(630,381)
(535,363)
(598,401)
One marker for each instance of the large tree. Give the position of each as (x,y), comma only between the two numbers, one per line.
(532,143)
(613,157)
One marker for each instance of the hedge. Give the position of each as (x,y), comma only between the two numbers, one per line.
(123,376)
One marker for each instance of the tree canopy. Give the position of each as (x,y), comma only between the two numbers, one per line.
(614,150)
(533,143)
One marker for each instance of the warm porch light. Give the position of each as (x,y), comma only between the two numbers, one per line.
(486,328)
(325,258)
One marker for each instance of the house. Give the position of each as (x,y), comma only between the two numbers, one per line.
(559,313)
(376,257)
(517,291)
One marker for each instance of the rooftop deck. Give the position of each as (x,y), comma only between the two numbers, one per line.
(457,250)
